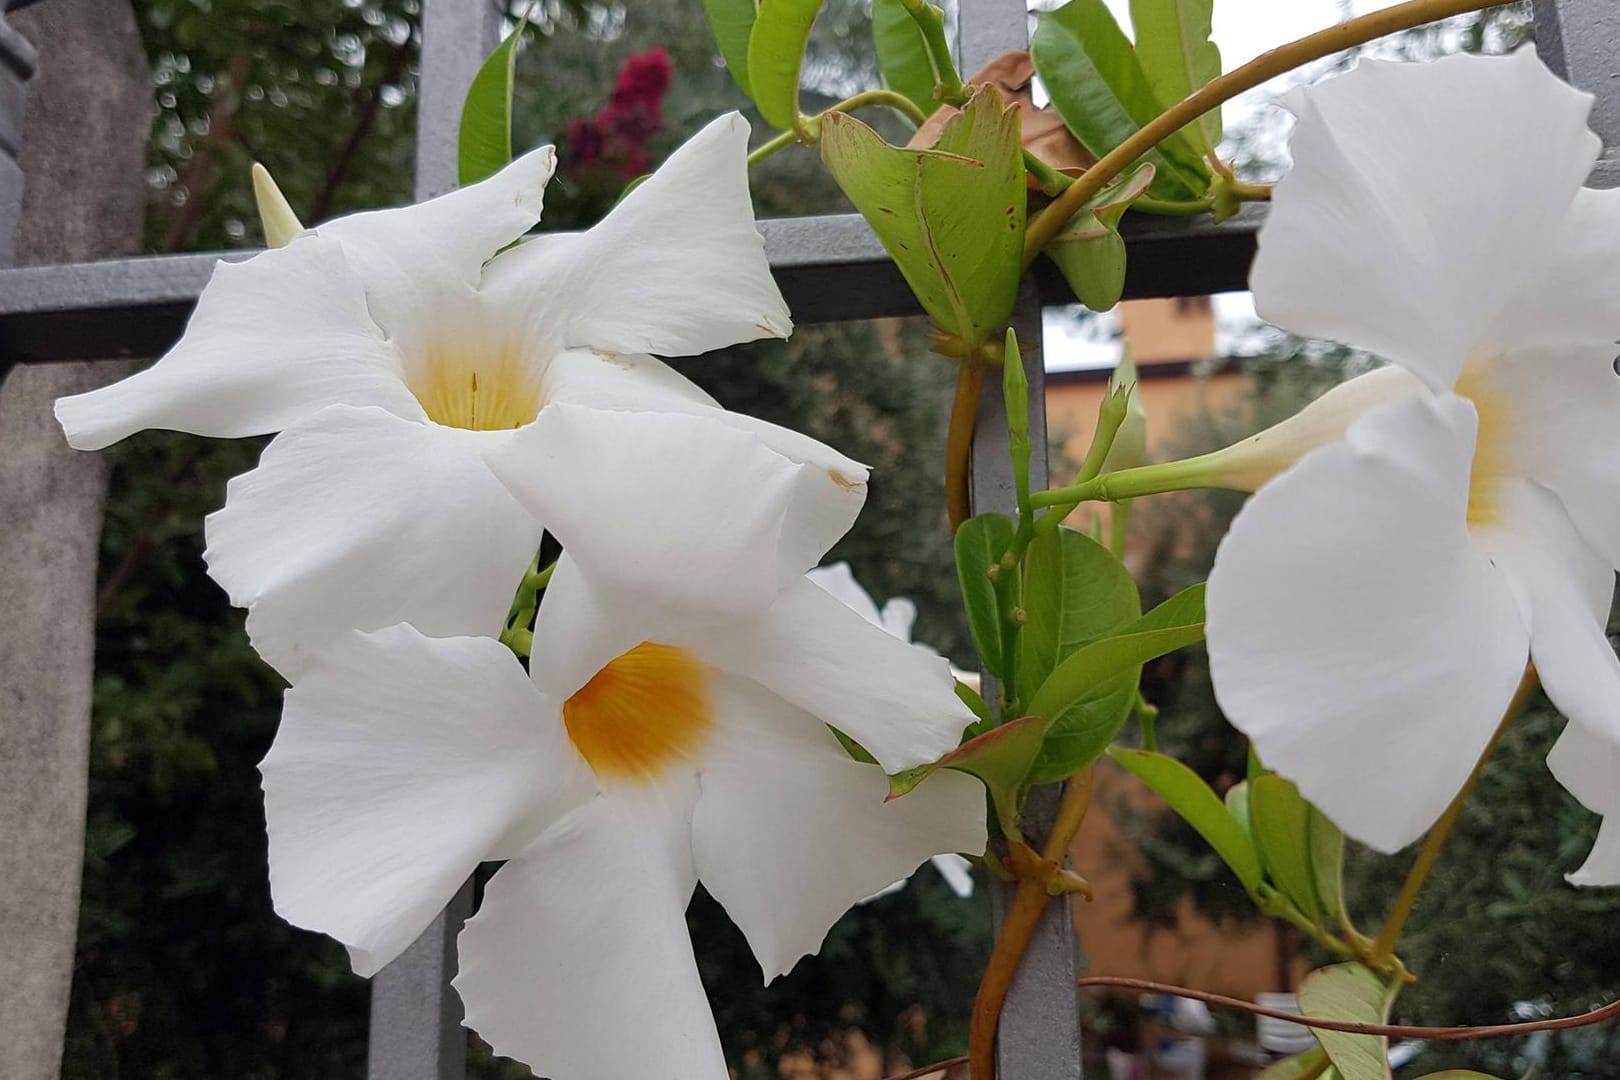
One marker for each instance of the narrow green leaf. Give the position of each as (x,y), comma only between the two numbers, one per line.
(1327,864)
(1090,251)
(1190,797)
(1075,591)
(1000,758)
(1178,57)
(485,144)
(1280,818)
(1100,90)
(732,22)
(951,217)
(980,543)
(1186,608)
(902,52)
(775,55)
(1349,992)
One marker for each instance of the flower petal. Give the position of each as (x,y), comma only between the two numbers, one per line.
(1588,764)
(1565,589)
(1375,237)
(896,700)
(417,259)
(357,519)
(1357,634)
(402,762)
(677,268)
(580,627)
(790,832)
(274,340)
(681,510)
(586,929)
(1573,298)
(1560,406)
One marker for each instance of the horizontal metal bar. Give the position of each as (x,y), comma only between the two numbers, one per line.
(830,268)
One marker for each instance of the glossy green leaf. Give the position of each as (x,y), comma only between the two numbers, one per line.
(1178,57)
(951,217)
(1075,591)
(1090,251)
(775,55)
(1191,798)
(1327,864)
(1098,87)
(485,144)
(1000,758)
(1294,1068)
(1280,819)
(1349,992)
(732,22)
(902,52)
(1186,608)
(980,543)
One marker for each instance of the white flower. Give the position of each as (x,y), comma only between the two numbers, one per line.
(391,348)
(896,618)
(1373,607)
(673,728)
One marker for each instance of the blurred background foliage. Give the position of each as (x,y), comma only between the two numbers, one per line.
(184,972)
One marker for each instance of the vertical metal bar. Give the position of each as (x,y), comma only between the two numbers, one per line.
(987,28)
(1577,39)
(416,1015)
(16,68)
(456,37)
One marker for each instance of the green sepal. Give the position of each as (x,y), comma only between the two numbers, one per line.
(484,146)
(1098,87)
(951,217)
(1199,807)
(732,23)
(1000,758)
(980,543)
(775,55)
(1090,251)
(1349,992)
(1173,44)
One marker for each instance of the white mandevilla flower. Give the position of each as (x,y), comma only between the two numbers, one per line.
(392,348)
(672,729)
(896,617)
(1373,607)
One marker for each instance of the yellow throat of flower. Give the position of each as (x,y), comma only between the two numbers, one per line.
(1493,449)
(648,709)
(477,389)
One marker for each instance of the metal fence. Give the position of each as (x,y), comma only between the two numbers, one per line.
(829,268)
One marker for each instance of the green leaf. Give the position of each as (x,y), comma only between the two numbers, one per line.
(1349,992)
(732,22)
(1075,591)
(854,749)
(1186,608)
(1090,251)
(902,52)
(1293,1068)
(775,55)
(1190,797)
(1327,863)
(968,696)
(485,145)
(951,217)
(1000,758)
(1099,89)
(1237,804)
(1280,818)
(1172,42)
(980,543)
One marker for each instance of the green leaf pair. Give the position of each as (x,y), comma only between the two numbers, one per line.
(951,217)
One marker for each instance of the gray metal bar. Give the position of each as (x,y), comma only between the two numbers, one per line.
(416,1031)
(17,59)
(1577,39)
(830,269)
(456,37)
(987,28)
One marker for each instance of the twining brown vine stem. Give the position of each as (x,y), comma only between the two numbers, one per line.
(1610,1011)
(929,1070)
(959,441)
(1029,900)
(1348,34)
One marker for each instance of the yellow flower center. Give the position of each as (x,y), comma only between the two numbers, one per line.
(479,389)
(648,709)
(1493,450)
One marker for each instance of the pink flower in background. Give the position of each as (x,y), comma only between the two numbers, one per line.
(616,137)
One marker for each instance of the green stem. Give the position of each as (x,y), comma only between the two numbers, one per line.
(1148,716)
(931,24)
(1045,226)
(771,146)
(1384,945)
(810,126)
(1053,183)
(1183,475)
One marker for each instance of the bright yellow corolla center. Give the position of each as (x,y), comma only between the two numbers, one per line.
(648,709)
(477,388)
(1493,449)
